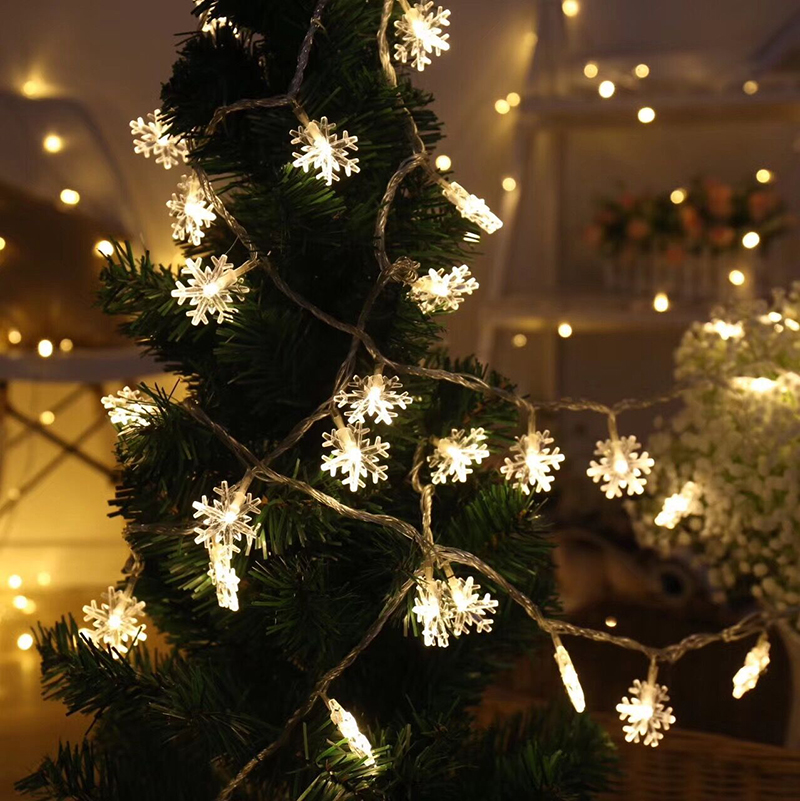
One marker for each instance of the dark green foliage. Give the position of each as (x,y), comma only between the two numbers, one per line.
(181,725)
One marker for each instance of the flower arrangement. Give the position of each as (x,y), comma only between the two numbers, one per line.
(726,481)
(708,216)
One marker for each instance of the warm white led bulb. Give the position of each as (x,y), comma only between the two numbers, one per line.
(454,456)
(751,240)
(680,505)
(355,456)
(191,209)
(322,150)
(129,409)
(152,139)
(531,462)
(211,290)
(755,664)
(420,32)
(373,396)
(606,89)
(621,466)
(569,676)
(348,727)
(646,115)
(115,621)
(472,208)
(646,712)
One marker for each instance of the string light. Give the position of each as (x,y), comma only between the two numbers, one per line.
(569,675)
(737,277)
(211,289)
(2,243)
(514,99)
(53,143)
(47,418)
(646,115)
(519,340)
(758,384)
(129,409)
(755,664)
(43,579)
(373,396)
(14,336)
(421,32)
(322,150)
(606,89)
(430,613)
(354,455)
(348,728)
(440,292)
(661,302)
(621,466)
(19,602)
(571,8)
(750,87)
(15,581)
(66,345)
(472,208)
(590,69)
(646,711)
(223,577)
(454,455)
(751,240)
(764,176)
(509,184)
(227,519)
(677,196)
(115,621)
(104,247)
(531,461)
(191,209)
(641,70)
(45,348)
(151,138)
(502,106)
(611,622)
(443,162)
(69,197)
(564,330)
(25,642)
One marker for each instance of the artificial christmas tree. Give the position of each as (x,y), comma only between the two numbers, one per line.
(304,574)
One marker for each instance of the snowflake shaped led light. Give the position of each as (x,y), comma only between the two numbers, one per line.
(452,606)
(373,396)
(227,518)
(440,291)
(431,614)
(755,664)
(467,608)
(224,577)
(620,466)
(129,410)
(211,289)
(421,32)
(680,505)
(354,455)
(346,723)
(324,151)
(191,209)
(455,455)
(531,462)
(472,208)
(115,621)
(154,140)
(646,712)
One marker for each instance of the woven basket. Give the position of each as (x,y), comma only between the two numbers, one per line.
(693,766)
